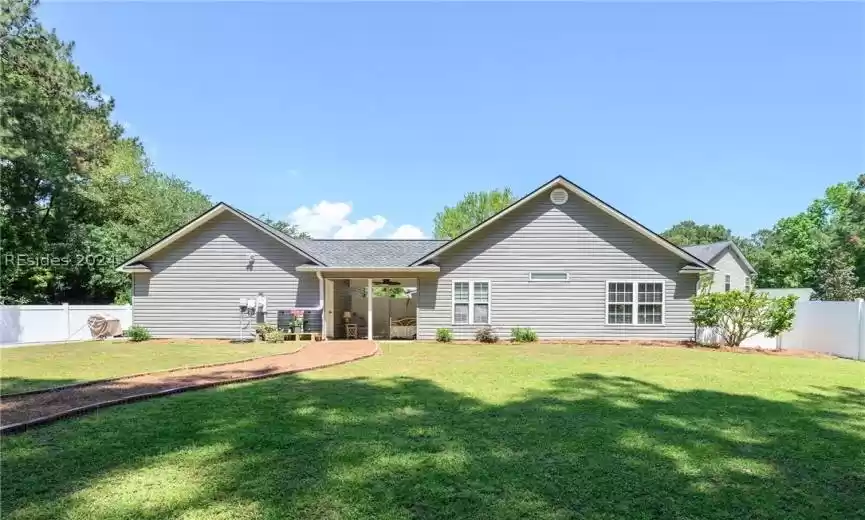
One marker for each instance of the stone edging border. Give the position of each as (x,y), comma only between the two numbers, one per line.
(141,374)
(81,410)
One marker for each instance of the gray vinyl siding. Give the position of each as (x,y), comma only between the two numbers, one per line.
(195,284)
(729,263)
(576,238)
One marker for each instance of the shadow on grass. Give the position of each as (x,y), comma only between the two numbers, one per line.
(591,447)
(14,385)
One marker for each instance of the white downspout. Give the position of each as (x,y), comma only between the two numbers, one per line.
(320,306)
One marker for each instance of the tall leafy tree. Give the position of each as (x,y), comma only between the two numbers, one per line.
(138,206)
(474,208)
(788,254)
(837,280)
(75,197)
(796,249)
(55,131)
(688,232)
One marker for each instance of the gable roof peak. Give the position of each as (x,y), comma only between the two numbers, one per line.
(709,252)
(585,196)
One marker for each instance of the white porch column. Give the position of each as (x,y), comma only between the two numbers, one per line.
(369,309)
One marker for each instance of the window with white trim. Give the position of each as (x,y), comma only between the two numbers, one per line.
(620,302)
(748,283)
(650,303)
(635,302)
(548,277)
(727,283)
(461,302)
(480,302)
(471,302)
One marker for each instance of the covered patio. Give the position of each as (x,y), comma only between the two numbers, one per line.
(348,311)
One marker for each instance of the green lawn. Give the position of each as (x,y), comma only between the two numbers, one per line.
(462,431)
(44,366)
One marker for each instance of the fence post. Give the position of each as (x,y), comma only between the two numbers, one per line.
(68,325)
(860,348)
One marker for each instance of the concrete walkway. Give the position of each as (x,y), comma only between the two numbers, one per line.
(20,412)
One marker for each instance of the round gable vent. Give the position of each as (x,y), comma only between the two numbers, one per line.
(559,196)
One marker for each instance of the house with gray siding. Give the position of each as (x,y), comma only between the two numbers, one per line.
(733,272)
(559,260)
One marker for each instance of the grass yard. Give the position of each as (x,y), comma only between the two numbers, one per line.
(465,431)
(44,366)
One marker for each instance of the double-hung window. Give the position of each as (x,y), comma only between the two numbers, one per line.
(748,285)
(471,302)
(636,302)
(727,283)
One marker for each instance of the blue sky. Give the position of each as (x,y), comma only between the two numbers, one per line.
(735,113)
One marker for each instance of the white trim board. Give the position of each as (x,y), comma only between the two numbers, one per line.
(584,195)
(361,269)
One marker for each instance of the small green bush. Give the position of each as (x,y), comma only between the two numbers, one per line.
(274,336)
(444,335)
(262,329)
(486,335)
(523,335)
(137,333)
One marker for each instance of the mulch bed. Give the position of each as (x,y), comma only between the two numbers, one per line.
(18,413)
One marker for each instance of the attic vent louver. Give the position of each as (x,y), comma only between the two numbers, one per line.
(559,196)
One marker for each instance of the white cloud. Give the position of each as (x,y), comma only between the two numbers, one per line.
(321,220)
(331,220)
(363,228)
(408,231)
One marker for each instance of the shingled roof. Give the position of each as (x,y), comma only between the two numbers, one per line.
(359,252)
(368,253)
(707,252)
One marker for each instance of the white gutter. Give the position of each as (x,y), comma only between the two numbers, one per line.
(689,269)
(328,269)
(134,269)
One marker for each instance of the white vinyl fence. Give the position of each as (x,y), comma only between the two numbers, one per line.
(836,328)
(34,324)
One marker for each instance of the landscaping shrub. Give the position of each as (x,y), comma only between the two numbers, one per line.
(444,335)
(523,335)
(486,335)
(739,315)
(274,336)
(262,330)
(137,333)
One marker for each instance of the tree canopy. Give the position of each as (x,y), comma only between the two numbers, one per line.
(821,247)
(688,233)
(76,195)
(285,227)
(474,208)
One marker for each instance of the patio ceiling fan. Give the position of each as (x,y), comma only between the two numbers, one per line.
(386,281)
